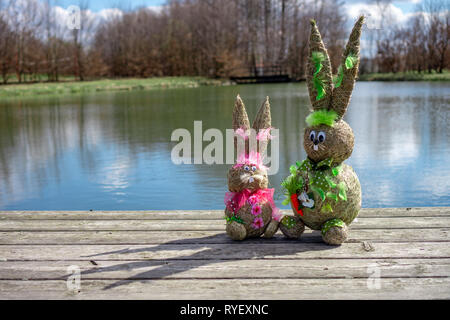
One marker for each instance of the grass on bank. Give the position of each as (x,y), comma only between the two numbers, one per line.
(130,84)
(406,76)
(42,88)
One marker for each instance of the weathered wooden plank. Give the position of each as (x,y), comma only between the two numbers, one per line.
(186,255)
(208,237)
(201,214)
(254,289)
(215,269)
(201,225)
(231,251)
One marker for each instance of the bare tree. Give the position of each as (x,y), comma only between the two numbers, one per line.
(24,20)
(436,23)
(81,38)
(213,38)
(6,44)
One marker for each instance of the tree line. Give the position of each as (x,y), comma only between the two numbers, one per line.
(212,38)
(421,45)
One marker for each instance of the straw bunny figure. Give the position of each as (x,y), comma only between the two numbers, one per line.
(324,192)
(250,210)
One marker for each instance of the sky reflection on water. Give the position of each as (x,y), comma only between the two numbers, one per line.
(111,151)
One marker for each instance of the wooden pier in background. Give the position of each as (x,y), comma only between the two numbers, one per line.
(269,74)
(390,254)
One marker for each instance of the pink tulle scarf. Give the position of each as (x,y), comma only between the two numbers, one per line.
(262,135)
(236,200)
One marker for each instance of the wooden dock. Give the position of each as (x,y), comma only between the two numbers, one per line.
(391,254)
(268,74)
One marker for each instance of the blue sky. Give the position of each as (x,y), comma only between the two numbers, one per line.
(406,6)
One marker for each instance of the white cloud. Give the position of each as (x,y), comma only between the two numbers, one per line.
(109,13)
(156,9)
(116,175)
(377,17)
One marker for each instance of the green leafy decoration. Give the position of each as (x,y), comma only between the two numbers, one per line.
(293,169)
(336,170)
(319,191)
(234,218)
(350,62)
(319,83)
(342,191)
(326,208)
(337,80)
(291,184)
(331,195)
(330,182)
(317,57)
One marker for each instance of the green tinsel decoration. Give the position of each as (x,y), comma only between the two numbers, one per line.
(291,184)
(326,208)
(317,58)
(350,62)
(321,117)
(234,218)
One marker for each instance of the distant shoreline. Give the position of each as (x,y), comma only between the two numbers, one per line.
(135,84)
(92,86)
(406,76)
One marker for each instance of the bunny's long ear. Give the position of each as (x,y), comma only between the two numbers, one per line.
(240,120)
(262,125)
(240,117)
(348,70)
(319,76)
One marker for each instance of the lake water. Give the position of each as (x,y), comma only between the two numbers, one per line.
(112,150)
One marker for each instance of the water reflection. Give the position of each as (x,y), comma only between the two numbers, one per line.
(111,151)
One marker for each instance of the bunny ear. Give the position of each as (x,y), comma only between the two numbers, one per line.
(240,117)
(348,70)
(263,120)
(240,124)
(318,73)
(262,125)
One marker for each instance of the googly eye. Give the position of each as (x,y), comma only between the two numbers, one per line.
(321,136)
(246,168)
(312,135)
(253,168)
